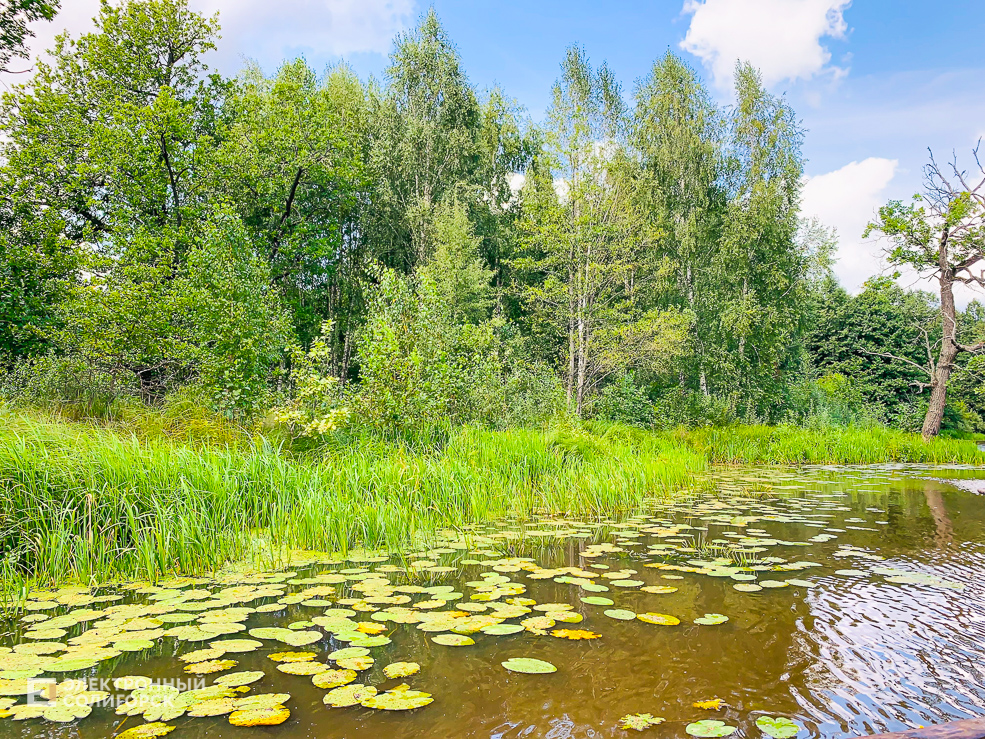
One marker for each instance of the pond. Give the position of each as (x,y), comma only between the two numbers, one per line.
(843,600)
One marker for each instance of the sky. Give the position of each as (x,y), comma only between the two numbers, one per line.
(875,82)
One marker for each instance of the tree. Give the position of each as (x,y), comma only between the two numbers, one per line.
(424,142)
(763,268)
(678,132)
(15,15)
(293,163)
(940,235)
(457,271)
(115,134)
(587,241)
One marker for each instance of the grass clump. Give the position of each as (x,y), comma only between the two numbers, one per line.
(146,497)
(90,504)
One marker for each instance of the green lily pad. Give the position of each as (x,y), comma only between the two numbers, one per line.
(239,679)
(778,728)
(747,587)
(529,666)
(501,629)
(709,729)
(620,614)
(398,699)
(146,731)
(711,619)
(596,600)
(348,653)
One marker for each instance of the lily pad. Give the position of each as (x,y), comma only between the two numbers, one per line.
(210,666)
(349,695)
(709,729)
(711,619)
(146,731)
(529,666)
(239,679)
(658,590)
(714,704)
(779,727)
(333,678)
(639,721)
(260,716)
(292,656)
(398,699)
(453,640)
(355,663)
(501,629)
(620,614)
(747,587)
(658,619)
(302,668)
(349,653)
(597,600)
(401,669)
(575,634)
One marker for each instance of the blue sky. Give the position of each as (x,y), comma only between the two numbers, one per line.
(875,82)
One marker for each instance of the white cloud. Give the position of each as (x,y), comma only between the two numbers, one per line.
(847,199)
(259,29)
(782,38)
(270,31)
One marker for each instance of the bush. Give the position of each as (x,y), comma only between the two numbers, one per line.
(681,407)
(831,401)
(623,401)
(71,384)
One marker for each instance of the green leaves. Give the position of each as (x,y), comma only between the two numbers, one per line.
(709,729)
(778,728)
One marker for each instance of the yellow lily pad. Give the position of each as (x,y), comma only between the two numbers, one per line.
(349,695)
(260,716)
(333,678)
(401,669)
(210,666)
(658,619)
(398,699)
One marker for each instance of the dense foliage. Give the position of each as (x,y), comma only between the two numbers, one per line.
(335,256)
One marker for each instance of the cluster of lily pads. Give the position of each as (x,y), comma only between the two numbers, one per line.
(352,604)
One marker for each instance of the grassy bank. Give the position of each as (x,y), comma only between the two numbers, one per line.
(79,502)
(86,503)
(793,445)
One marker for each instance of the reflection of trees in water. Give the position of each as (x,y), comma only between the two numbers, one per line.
(942,521)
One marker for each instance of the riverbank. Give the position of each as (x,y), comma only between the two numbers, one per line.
(88,503)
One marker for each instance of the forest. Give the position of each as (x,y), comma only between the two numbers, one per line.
(338,257)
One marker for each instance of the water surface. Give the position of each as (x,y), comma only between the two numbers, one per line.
(883,628)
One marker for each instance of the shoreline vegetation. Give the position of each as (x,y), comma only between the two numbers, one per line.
(151,496)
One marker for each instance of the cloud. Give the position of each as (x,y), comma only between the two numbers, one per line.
(260,29)
(782,38)
(270,31)
(847,199)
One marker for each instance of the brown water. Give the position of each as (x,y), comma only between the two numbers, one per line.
(853,654)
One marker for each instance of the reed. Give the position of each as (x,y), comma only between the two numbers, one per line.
(89,503)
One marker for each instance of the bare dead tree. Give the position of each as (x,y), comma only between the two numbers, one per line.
(941,235)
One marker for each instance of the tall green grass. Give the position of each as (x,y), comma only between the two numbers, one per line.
(94,503)
(89,504)
(794,445)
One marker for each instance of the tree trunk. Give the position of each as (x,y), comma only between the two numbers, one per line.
(949,345)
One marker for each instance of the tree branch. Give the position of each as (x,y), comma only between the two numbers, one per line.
(900,359)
